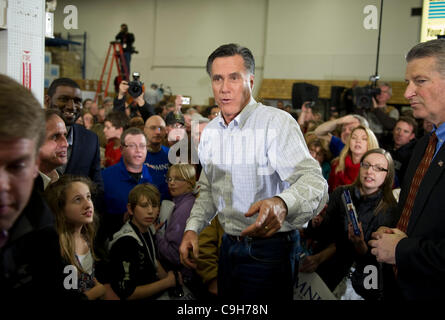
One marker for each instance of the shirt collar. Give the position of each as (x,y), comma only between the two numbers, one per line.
(242,117)
(69,137)
(440,132)
(46,179)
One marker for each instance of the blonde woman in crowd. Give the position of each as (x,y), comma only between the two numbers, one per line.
(345,168)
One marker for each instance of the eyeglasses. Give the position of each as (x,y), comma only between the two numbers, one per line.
(133,146)
(176,125)
(156,128)
(171,180)
(375,167)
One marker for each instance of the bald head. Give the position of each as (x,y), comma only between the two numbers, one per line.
(155,131)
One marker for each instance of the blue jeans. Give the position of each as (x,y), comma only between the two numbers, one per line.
(127,56)
(258,269)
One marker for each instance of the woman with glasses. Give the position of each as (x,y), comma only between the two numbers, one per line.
(181,184)
(345,168)
(372,196)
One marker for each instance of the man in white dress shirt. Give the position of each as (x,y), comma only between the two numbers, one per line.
(260,179)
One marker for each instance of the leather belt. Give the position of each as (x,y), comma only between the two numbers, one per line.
(275,235)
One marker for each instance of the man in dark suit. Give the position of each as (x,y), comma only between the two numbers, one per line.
(83,150)
(416,247)
(31,265)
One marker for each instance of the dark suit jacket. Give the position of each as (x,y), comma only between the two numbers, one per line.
(31,266)
(85,155)
(420,258)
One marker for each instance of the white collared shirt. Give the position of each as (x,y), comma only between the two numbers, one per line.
(259,154)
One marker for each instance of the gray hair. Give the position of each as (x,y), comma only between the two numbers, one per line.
(362,120)
(230,50)
(432,48)
(386,84)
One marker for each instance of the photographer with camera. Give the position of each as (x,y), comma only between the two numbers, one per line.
(138,106)
(126,39)
(381,117)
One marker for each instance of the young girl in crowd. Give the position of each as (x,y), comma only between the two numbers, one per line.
(114,125)
(70,200)
(135,272)
(181,179)
(345,168)
(372,196)
(320,151)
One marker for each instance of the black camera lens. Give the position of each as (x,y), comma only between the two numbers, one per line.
(135,89)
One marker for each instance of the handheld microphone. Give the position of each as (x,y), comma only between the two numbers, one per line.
(352,213)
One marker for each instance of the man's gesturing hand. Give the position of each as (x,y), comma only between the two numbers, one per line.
(271,215)
(189,242)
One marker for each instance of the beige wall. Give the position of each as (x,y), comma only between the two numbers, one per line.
(321,39)
(294,39)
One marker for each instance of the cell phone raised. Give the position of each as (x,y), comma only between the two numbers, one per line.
(185,100)
(351,212)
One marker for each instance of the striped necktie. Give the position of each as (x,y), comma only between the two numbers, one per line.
(418,176)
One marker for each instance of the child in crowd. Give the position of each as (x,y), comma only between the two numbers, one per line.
(135,272)
(71,202)
(181,179)
(115,123)
(320,151)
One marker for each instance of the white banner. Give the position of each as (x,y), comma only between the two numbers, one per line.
(311,287)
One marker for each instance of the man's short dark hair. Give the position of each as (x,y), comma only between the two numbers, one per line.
(86,100)
(118,119)
(432,48)
(230,50)
(131,131)
(21,115)
(49,113)
(61,82)
(411,121)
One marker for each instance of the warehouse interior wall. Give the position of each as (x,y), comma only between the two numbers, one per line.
(291,39)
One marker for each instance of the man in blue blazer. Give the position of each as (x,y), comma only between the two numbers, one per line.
(416,247)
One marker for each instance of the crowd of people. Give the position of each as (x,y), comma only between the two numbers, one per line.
(157,200)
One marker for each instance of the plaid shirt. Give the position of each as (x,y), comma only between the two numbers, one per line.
(258,155)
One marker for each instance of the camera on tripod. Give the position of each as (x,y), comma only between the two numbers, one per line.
(135,87)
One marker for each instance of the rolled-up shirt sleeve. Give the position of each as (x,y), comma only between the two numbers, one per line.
(290,158)
(203,210)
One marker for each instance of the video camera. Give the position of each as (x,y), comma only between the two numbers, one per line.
(362,96)
(135,87)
